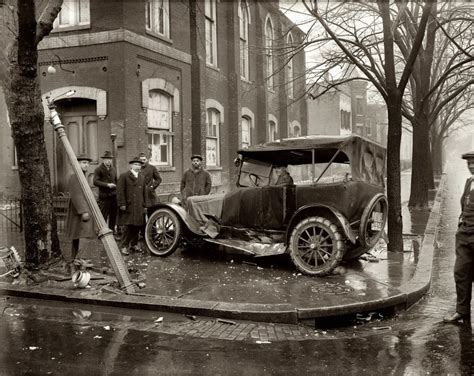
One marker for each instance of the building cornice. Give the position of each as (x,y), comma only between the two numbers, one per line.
(114,36)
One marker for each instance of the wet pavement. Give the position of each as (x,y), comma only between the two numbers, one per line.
(40,337)
(215,283)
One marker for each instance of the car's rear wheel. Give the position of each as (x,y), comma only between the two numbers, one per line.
(316,246)
(372,223)
(163,232)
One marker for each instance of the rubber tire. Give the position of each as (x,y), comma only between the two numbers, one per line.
(169,215)
(364,221)
(337,251)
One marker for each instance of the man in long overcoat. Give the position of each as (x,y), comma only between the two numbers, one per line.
(152,179)
(79,222)
(131,203)
(464,264)
(105,178)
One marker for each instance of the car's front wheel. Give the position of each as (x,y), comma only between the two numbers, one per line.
(163,232)
(316,246)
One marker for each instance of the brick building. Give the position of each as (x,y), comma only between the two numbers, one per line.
(175,77)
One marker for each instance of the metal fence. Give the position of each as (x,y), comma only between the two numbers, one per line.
(11,214)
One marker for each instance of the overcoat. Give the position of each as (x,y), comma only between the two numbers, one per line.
(152,180)
(195,183)
(102,177)
(131,193)
(75,227)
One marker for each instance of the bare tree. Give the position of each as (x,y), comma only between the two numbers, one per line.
(22,30)
(367,42)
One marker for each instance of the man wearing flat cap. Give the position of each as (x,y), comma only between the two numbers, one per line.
(131,203)
(79,222)
(105,177)
(464,264)
(196,181)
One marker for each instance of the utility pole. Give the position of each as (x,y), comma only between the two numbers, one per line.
(104,233)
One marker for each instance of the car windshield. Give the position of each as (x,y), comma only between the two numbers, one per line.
(256,173)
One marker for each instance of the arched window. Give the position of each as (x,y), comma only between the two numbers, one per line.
(213,121)
(272,128)
(294,129)
(269,36)
(158,17)
(289,67)
(211,31)
(246,132)
(244,20)
(160,128)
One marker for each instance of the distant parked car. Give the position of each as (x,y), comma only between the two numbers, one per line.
(336,209)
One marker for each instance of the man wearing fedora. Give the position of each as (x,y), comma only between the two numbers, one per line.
(131,204)
(196,181)
(79,222)
(152,180)
(464,264)
(105,178)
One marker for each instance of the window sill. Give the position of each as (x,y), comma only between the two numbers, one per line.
(245,81)
(214,168)
(213,67)
(70,28)
(161,37)
(165,168)
(14,168)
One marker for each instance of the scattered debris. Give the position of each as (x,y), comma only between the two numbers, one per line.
(227,321)
(191,317)
(249,263)
(382,328)
(97,337)
(33,348)
(141,285)
(262,342)
(107,327)
(159,319)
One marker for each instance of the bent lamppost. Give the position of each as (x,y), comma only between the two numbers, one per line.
(104,233)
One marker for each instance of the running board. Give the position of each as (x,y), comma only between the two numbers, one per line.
(254,249)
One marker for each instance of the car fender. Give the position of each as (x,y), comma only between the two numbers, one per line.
(325,211)
(190,223)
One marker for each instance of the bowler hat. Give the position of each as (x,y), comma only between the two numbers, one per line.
(469,155)
(107,154)
(83,157)
(196,156)
(136,160)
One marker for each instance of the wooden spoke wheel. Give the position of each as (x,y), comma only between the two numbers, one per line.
(163,232)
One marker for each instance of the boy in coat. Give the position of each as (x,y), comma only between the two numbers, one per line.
(79,223)
(131,203)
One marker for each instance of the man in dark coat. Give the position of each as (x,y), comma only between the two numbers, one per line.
(131,203)
(79,223)
(283,176)
(464,264)
(196,181)
(152,180)
(105,177)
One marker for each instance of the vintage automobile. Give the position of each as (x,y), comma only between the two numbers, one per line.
(335,209)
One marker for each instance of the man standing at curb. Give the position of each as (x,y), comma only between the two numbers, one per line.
(196,181)
(79,222)
(464,264)
(105,177)
(130,200)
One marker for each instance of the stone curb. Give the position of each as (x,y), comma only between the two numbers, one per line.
(410,292)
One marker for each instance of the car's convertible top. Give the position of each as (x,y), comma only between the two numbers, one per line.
(366,156)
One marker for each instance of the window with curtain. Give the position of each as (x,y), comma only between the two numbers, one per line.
(272,131)
(158,17)
(160,128)
(73,13)
(211,31)
(244,36)
(289,67)
(269,52)
(213,120)
(246,129)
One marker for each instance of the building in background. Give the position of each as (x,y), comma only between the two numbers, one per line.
(173,77)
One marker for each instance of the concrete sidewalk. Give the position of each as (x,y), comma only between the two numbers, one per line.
(212,283)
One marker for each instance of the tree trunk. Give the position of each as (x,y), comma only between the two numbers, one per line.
(421,163)
(437,154)
(27,122)
(395,223)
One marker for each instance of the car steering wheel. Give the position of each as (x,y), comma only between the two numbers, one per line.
(254,179)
